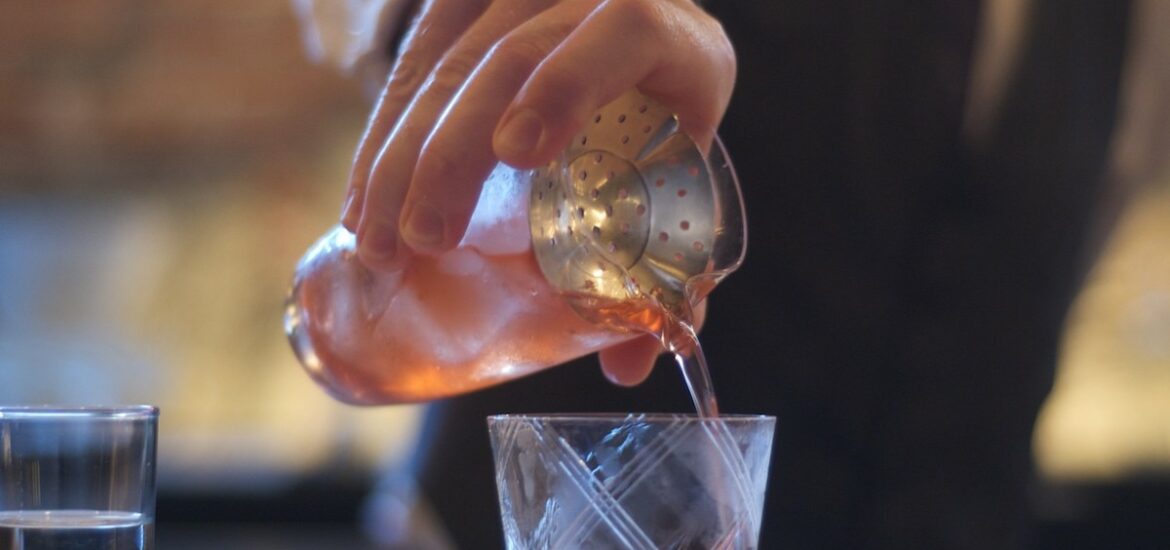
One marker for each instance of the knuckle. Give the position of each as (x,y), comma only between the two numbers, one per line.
(405,79)
(518,50)
(564,84)
(440,164)
(452,72)
(717,51)
(724,57)
(378,198)
(716,36)
(642,14)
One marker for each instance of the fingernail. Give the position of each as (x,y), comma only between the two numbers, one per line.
(380,243)
(521,133)
(425,226)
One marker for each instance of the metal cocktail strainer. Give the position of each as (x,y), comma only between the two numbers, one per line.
(633,209)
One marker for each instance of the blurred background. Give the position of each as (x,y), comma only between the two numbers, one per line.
(164,163)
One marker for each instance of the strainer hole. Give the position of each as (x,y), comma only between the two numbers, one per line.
(625,227)
(589,284)
(583,174)
(693,171)
(552,241)
(540,195)
(596,232)
(684,225)
(610,175)
(584,139)
(550,184)
(558,212)
(625,139)
(641,209)
(642,108)
(682,193)
(698,246)
(678,257)
(581,213)
(663,236)
(623,193)
(660,182)
(612,247)
(595,193)
(608,210)
(597,119)
(621,118)
(646,129)
(597,158)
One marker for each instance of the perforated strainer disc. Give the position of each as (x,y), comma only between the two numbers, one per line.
(633,209)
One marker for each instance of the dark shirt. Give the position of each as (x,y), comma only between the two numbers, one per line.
(904,291)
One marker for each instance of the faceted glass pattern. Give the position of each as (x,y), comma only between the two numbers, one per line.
(632,481)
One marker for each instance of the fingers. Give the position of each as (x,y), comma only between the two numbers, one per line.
(439,24)
(630,362)
(458,155)
(378,226)
(669,50)
(522,104)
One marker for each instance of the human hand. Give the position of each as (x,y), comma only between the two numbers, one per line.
(477,82)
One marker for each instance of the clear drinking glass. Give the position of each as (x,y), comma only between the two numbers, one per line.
(636,481)
(77,477)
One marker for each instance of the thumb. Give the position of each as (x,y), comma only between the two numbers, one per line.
(630,362)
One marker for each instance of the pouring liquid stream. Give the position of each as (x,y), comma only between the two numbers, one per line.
(675,332)
(695,373)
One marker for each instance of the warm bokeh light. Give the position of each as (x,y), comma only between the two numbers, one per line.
(163,165)
(1108,417)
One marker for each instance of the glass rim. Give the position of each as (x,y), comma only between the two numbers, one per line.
(78,412)
(618,417)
